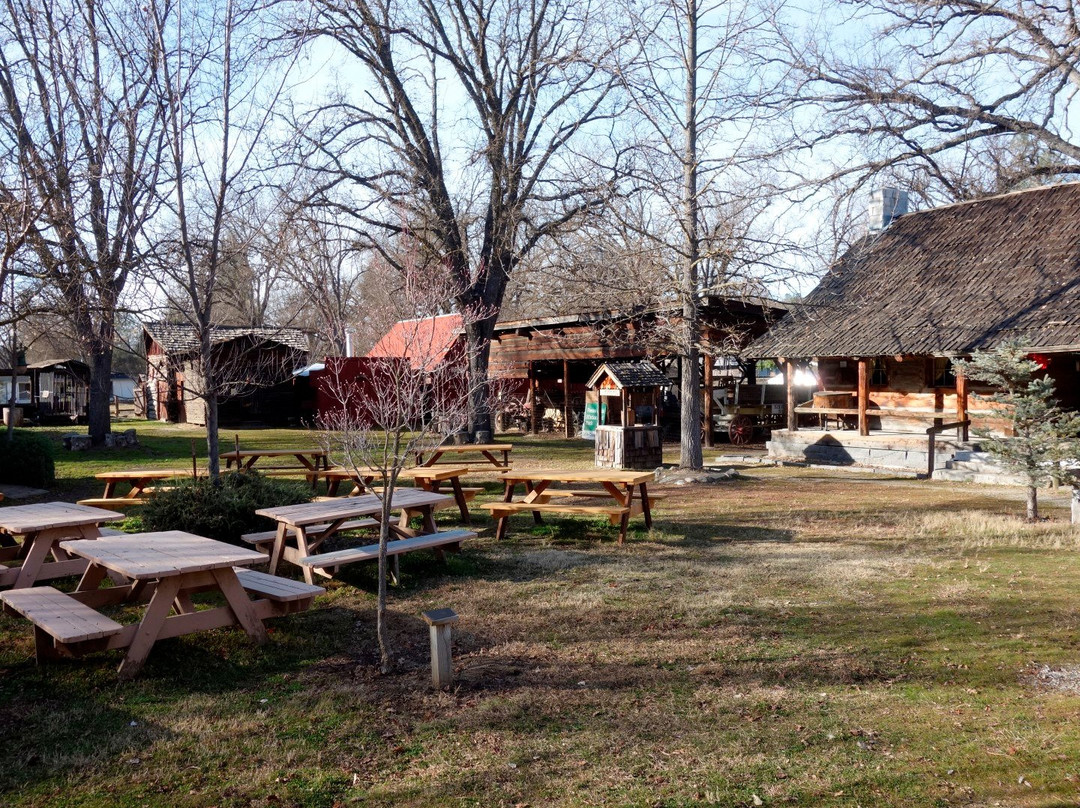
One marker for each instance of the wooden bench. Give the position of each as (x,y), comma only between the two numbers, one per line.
(296,594)
(430,541)
(614,513)
(591,494)
(264,538)
(113,504)
(59,620)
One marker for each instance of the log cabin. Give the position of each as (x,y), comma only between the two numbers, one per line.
(887,321)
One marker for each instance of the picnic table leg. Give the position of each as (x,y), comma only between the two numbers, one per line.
(40,545)
(91,579)
(304,552)
(646,510)
(279,547)
(150,626)
(237,598)
(183,604)
(110,489)
(459,495)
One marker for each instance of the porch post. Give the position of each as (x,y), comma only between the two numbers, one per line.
(789,383)
(568,411)
(534,410)
(864,396)
(962,401)
(708,376)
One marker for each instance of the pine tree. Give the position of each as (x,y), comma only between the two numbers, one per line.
(1043,434)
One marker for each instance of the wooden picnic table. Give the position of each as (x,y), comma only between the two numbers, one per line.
(163,570)
(300,521)
(426,477)
(487,450)
(42,527)
(139,480)
(619,486)
(307,459)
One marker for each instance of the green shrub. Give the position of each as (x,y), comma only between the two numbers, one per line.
(221,511)
(27,460)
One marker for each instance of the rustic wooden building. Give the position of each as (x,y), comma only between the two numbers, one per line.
(547,362)
(49,391)
(886,322)
(256,366)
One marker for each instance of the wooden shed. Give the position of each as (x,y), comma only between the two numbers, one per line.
(628,431)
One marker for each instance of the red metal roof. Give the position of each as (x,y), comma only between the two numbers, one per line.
(424,342)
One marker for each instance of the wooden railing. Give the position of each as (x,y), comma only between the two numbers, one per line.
(931,437)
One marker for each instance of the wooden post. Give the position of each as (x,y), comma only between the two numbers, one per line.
(568,411)
(962,401)
(439,622)
(534,412)
(708,376)
(864,396)
(789,383)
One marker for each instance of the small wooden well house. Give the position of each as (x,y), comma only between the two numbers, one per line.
(628,399)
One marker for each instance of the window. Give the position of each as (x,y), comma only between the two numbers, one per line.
(878,376)
(943,373)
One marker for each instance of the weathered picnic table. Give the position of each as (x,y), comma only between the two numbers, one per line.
(307,460)
(42,527)
(618,486)
(311,524)
(429,478)
(164,570)
(486,450)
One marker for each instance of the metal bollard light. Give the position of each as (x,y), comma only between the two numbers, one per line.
(439,622)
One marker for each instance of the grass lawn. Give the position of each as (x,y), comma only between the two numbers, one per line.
(790,637)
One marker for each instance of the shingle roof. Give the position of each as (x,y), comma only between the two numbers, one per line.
(178,338)
(631,374)
(948,281)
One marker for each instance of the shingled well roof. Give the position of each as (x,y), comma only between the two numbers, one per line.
(948,281)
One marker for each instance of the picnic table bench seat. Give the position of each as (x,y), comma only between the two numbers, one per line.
(500,509)
(562,492)
(266,537)
(113,503)
(59,615)
(280,590)
(370,552)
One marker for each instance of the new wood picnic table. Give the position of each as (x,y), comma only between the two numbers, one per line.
(488,451)
(42,527)
(138,480)
(297,520)
(620,486)
(164,570)
(308,459)
(429,478)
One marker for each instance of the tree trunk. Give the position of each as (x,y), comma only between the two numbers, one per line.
(99,416)
(690,379)
(213,460)
(478,350)
(1032,504)
(1075,512)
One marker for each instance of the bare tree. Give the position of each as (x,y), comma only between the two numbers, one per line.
(81,131)
(409,402)
(959,98)
(218,86)
(694,79)
(323,264)
(478,132)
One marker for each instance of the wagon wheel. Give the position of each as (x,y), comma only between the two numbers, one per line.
(740,430)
